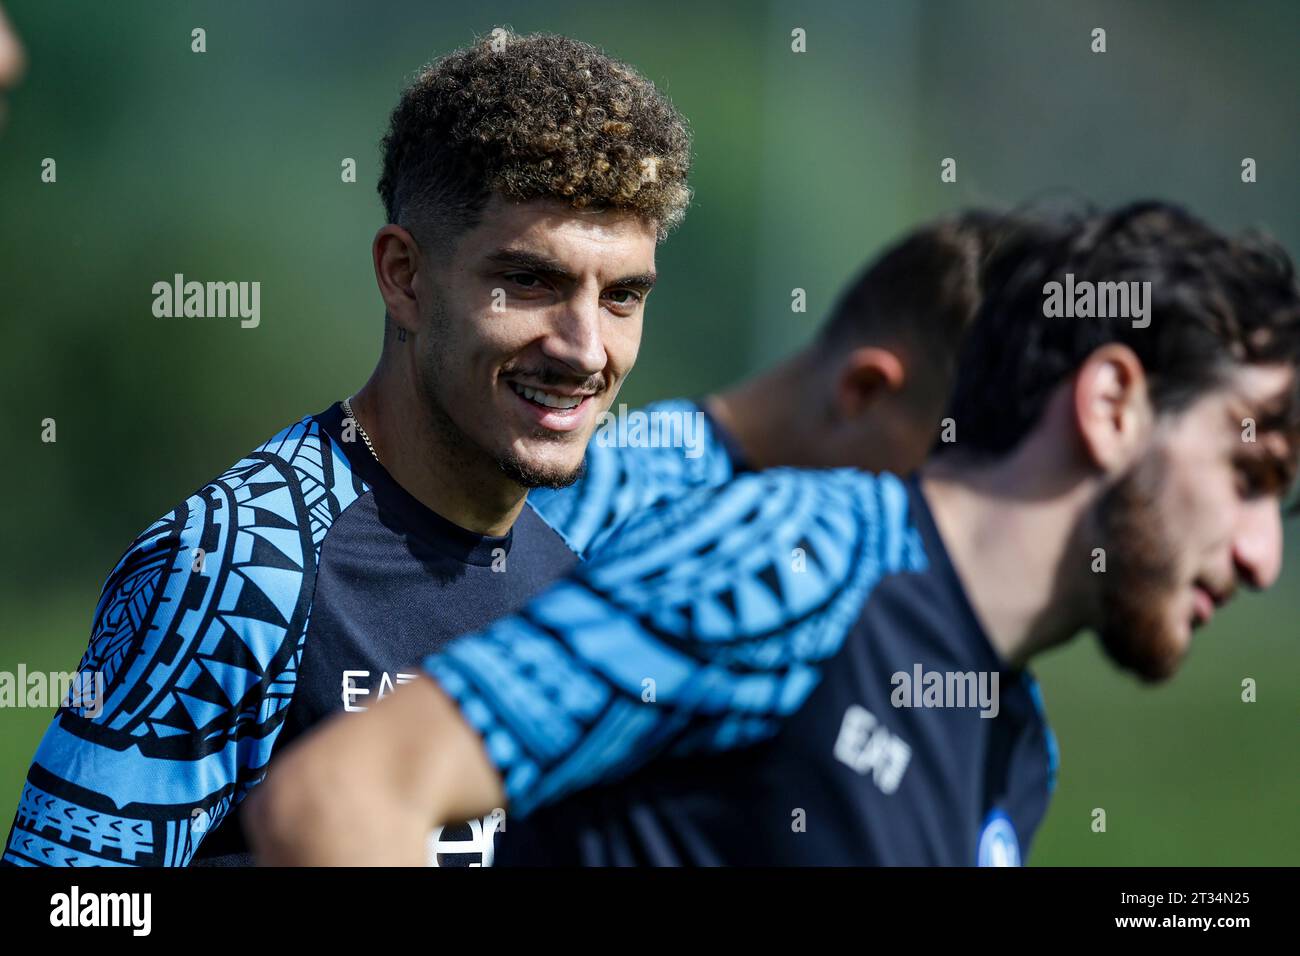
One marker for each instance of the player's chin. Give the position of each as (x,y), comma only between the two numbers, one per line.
(1174,651)
(544,467)
(1152,650)
(1164,660)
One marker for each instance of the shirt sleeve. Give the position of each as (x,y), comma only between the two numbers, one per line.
(635,460)
(699,627)
(184,686)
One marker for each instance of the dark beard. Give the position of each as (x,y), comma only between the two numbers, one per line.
(522,474)
(464,450)
(1140,581)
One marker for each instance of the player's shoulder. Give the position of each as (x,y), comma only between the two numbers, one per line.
(222,581)
(244,543)
(845,501)
(799,535)
(634,459)
(305,457)
(297,480)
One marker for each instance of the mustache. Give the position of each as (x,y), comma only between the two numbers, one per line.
(554,375)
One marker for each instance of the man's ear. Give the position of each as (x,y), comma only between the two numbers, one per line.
(865,376)
(397,263)
(1112,407)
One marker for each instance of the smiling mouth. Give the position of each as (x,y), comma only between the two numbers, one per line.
(1205,601)
(548,399)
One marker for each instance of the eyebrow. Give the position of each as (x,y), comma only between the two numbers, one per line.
(1277,419)
(1280,467)
(1281,464)
(545,266)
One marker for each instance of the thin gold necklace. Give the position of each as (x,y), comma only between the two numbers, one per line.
(347,413)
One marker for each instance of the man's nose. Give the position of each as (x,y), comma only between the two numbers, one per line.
(1257,549)
(576,337)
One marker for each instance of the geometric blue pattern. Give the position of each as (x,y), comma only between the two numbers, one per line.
(199,659)
(619,482)
(728,599)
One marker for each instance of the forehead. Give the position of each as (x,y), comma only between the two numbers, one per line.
(554,228)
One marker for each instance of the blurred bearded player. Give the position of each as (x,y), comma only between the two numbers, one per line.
(868,392)
(527,182)
(775,684)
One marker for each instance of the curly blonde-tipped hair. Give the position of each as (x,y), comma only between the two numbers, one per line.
(532,117)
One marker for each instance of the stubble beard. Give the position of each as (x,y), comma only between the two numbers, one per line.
(1139,586)
(467,455)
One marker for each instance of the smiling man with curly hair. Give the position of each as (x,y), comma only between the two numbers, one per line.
(527,181)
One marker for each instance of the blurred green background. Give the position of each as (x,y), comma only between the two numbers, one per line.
(225,166)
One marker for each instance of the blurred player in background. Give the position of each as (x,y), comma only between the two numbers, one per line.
(763,672)
(868,392)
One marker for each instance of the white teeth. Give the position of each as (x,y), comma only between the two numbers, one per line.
(546,398)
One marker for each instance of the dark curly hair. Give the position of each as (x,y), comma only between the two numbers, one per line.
(922,292)
(532,117)
(1216,303)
